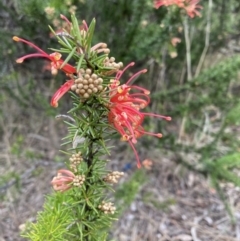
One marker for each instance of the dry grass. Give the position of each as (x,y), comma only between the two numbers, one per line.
(176,204)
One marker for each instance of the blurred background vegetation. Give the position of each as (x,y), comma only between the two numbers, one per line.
(196,81)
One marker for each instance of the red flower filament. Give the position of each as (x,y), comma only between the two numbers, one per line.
(60,92)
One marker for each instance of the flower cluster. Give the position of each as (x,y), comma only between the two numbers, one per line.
(190,6)
(107,207)
(110,62)
(66,179)
(75,160)
(87,83)
(113,177)
(124,109)
(63,181)
(78,180)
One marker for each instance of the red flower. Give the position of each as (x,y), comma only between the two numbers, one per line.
(191,8)
(63,181)
(189,5)
(175,41)
(60,92)
(147,163)
(55,58)
(159,3)
(125,108)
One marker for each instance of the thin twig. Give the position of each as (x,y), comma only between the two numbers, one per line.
(189,70)
(188,49)
(188,57)
(64,116)
(207,38)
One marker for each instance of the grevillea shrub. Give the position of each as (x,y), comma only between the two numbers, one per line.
(103,103)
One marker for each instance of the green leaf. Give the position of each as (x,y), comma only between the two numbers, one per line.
(80,63)
(68,57)
(229,176)
(59,39)
(76,29)
(228,160)
(233,117)
(90,35)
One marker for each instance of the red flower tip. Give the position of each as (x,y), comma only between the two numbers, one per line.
(168,118)
(139,165)
(15,38)
(54,104)
(20,60)
(84,25)
(130,64)
(65,18)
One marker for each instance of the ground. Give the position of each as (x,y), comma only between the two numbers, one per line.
(172,204)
